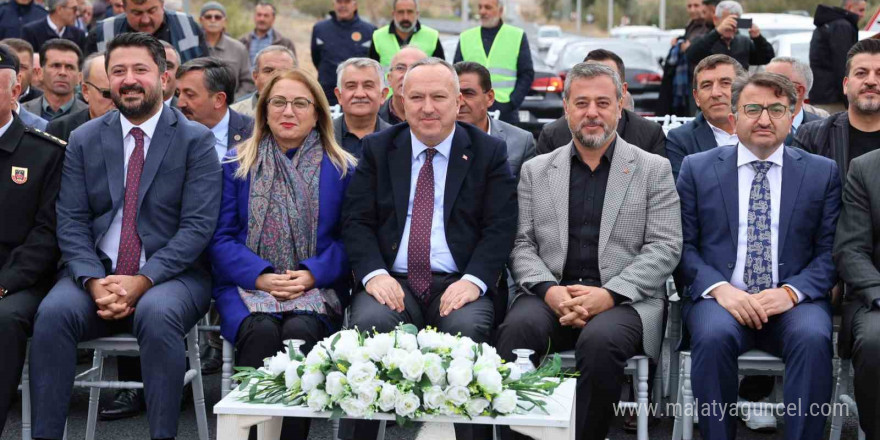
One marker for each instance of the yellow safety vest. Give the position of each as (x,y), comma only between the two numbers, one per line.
(501,60)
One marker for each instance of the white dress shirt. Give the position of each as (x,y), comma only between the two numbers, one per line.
(722,137)
(441,256)
(109,243)
(221,136)
(745,176)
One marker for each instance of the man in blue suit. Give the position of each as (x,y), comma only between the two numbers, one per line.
(759,221)
(138,206)
(713,79)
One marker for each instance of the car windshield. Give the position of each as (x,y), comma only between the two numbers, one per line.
(773,32)
(549,33)
(632,56)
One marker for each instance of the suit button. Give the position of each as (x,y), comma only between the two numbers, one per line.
(394,247)
(730,265)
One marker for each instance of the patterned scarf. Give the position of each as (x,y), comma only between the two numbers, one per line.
(283,222)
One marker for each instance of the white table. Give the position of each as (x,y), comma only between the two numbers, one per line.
(235,417)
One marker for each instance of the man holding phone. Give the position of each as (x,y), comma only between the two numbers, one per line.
(725,39)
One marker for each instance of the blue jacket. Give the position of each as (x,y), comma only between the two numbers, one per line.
(234,264)
(32,120)
(809,207)
(690,138)
(334,41)
(13,17)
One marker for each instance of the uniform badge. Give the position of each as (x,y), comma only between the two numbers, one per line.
(19,175)
(356,36)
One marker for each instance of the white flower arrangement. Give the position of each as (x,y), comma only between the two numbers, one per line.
(407,372)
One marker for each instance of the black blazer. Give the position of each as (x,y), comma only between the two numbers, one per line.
(827,137)
(38,33)
(645,134)
(480,206)
(32,93)
(694,137)
(240,128)
(63,126)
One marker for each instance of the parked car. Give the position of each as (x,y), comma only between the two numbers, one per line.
(543,104)
(797,45)
(557,47)
(547,35)
(772,25)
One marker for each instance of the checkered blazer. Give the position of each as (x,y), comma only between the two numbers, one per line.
(640,238)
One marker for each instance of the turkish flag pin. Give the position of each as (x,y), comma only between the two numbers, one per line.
(464,156)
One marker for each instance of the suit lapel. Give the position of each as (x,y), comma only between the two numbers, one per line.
(159,144)
(839,140)
(619,177)
(728,180)
(114,157)
(792,175)
(400,165)
(459,163)
(558,175)
(703,133)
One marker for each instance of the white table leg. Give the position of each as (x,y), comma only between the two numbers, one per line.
(237,427)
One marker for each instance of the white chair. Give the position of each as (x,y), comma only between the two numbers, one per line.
(120,345)
(335,111)
(842,399)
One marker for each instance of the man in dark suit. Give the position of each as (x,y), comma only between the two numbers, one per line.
(61,23)
(631,127)
(95,91)
(131,240)
(429,221)
(26,67)
(759,221)
(28,252)
(800,74)
(359,90)
(713,79)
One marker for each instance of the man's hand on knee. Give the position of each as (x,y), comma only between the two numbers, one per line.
(457,295)
(743,307)
(385,289)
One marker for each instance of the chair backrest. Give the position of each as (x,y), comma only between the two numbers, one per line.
(668,122)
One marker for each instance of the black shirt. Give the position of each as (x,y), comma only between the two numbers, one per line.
(350,141)
(387,114)
(438,49)
(861,142)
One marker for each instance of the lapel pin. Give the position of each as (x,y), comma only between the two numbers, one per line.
(625,170)
(237,137)
(464,156)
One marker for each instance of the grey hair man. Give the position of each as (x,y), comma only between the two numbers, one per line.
(392,110)
(60,23)
(799,73)
(360,87)
(269,62)
(751,49)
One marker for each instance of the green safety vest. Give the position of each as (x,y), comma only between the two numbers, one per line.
(501,60)
(387,46)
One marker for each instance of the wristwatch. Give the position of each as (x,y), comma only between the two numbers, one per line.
(3,292)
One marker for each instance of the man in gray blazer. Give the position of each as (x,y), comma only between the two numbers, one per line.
(599,233)
(139,202)
(477,96)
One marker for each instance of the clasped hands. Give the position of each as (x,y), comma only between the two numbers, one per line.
(752,310)
(385,289)
(116,295)
(288,285)
(577,304)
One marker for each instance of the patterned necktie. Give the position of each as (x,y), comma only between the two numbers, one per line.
(129,258)
(758,274)
(419,252)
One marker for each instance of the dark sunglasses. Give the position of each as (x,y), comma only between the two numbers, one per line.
(105,93)
(212,17)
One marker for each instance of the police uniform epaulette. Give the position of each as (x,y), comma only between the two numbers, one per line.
(44,135)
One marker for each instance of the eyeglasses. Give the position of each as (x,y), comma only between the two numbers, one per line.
(213,17)
(105,93)
(279,103)
(400,68)
(754,111)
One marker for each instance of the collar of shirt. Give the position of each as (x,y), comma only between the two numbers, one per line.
(798,120)
(64,108)
(168,101)
(148,126)
(489,131)
(444,147)
(269,35)
(221,130)
(609,152)
(54,28)
(722,137)
(745,157)
(6,127)
(221,44)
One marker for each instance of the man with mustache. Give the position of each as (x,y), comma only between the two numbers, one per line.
(60,60)
(844,137)
(405,29)
(759,220)
(264,33)
(131,240)
(360,88)
(599,233)
(95,90)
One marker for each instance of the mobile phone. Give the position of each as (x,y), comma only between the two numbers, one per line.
(744,23)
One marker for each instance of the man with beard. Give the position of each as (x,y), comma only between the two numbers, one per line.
(342,36)
(359,89)
(96,92)
(393,111)
(60,60)
(504,50)
(405,29)
(599,233)
(131,240)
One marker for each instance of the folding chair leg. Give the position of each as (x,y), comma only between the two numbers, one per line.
(226,375)
(381,433)
(679,409)
(26,396)
(687,398)
(642,412)
(94,395)
(192,341)
(839,389)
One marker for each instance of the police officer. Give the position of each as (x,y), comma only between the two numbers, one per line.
(30,176)
(342,36)
(404,30)
(504,50)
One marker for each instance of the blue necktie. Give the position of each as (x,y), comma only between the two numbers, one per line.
(758,274)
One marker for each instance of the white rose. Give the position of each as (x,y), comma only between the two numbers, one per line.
(505,403)
(291,378)
(434,369)
(413,366)
(464,349)
(335,384)
(354,407)
(429,339)
(457,395)
(361,373)
(368,392)
(448,342)
(406,341)
(515,372)
(388,397)
(487,361)
(460,373)
(394,358)
(359,354)
(490,380)
(378,346)
(278,363)
(475,407)
(488,350)
(317,357)
(406,404)
(434,397)
(311,380)
(318,400)
(346,344)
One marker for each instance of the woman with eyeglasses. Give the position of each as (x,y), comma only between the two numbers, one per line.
(280,269)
